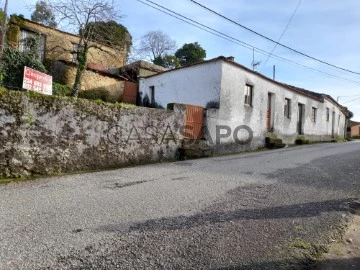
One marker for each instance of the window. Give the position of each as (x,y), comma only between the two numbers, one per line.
(248,95)
(287,108)
(31,41)
(313,114)
(327,114)
(152,96)
(76,48)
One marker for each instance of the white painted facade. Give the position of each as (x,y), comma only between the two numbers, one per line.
(194,85)
(221,80)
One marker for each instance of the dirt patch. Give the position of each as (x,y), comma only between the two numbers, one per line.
(344,254)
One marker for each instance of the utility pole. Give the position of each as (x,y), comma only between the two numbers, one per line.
(3,28)
(274,70)
(253,61)
(254,65)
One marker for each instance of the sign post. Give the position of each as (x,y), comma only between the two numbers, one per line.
(37,81)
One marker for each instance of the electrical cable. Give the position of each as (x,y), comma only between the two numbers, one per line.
(351,100)
(282,34)
(234,40)
(273,41)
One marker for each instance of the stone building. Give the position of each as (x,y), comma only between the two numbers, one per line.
(234,96)
(58,51)
(137,69)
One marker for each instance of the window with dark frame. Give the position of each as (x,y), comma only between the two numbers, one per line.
(152,95)
(313,114)
(248,95)
(32,41)
(327,114)
(287,108)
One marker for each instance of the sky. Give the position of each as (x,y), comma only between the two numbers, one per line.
(328,30)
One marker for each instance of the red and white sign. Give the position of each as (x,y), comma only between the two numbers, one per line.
(37,81)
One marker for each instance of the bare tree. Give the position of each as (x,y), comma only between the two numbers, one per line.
(157,44)
(85,16)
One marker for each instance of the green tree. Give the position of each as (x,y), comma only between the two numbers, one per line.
(109,33)
(2,13)
(12,66)
(43,14)
(167,61)
(19,16)
(190,53)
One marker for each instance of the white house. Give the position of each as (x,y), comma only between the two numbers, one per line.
(244,107)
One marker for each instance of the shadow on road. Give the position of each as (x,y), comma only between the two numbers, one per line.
(338,172)
(279,212)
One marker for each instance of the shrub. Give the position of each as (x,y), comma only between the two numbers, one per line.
(61,90)
(12,66)
(3,89)
(97,94)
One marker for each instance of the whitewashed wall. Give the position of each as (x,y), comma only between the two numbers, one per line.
(224,82)
(196,85)
(233,112)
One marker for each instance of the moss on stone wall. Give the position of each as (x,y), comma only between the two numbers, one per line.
(12,36)
(42,135)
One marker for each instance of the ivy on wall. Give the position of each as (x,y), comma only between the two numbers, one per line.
(12,66)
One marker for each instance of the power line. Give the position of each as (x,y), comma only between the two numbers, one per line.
(193,24)
(269,39)
(282,34)
(234,40)
(337,99)
(351,100)
(351,95)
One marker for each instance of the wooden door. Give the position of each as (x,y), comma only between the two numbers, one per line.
(130,93)
(194,122)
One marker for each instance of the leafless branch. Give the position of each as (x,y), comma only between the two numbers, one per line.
(157,43)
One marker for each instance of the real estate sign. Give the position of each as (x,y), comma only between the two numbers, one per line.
(37,81)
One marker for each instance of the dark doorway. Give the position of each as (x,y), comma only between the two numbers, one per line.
(333,126)
(269,114)
(300,124)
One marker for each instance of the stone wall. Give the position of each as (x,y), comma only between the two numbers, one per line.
(90,80)
(44,135)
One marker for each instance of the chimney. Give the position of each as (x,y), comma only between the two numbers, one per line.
(231,58)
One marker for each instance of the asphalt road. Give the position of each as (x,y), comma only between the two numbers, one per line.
(262,210)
